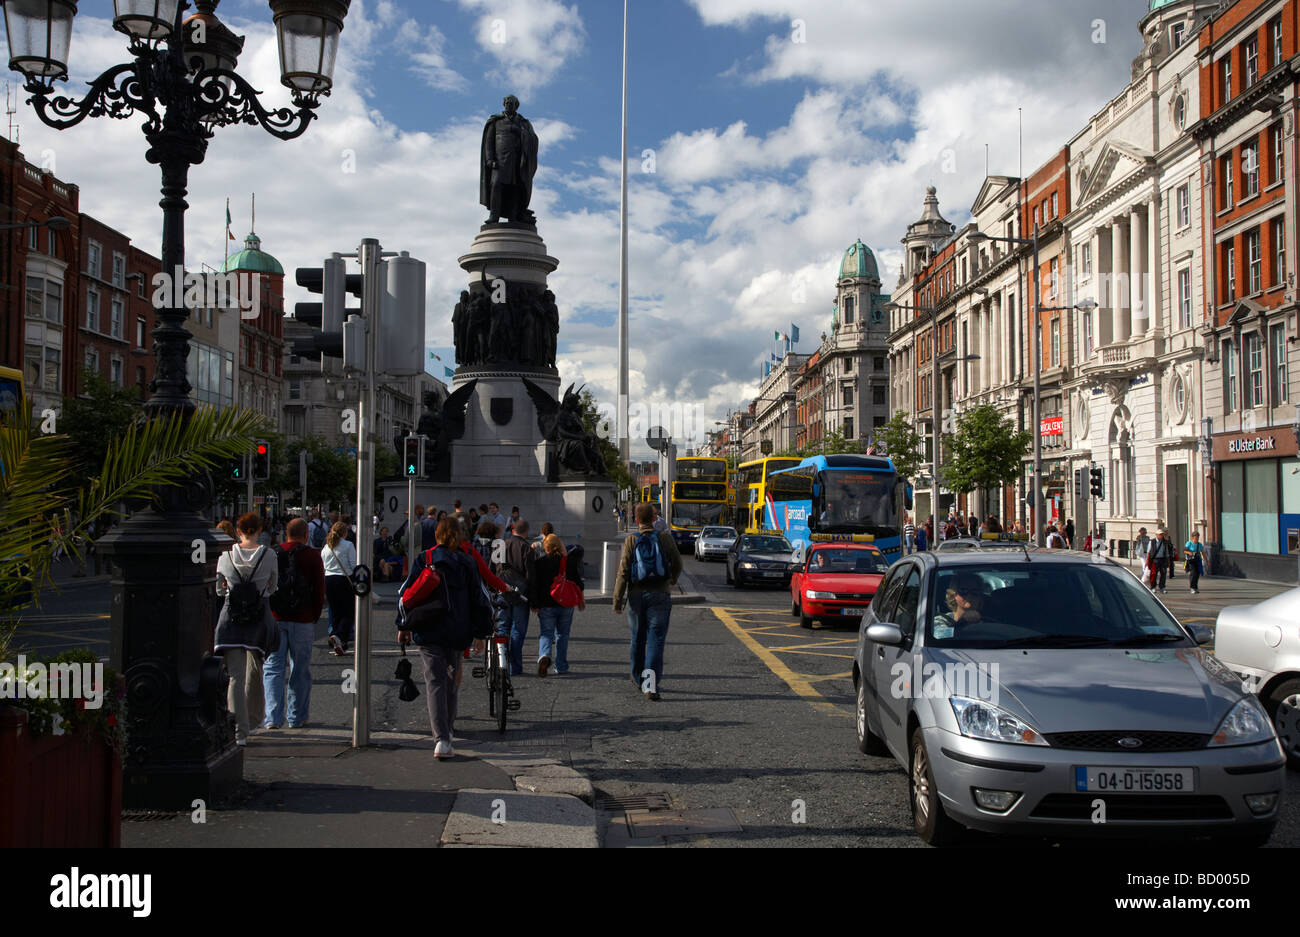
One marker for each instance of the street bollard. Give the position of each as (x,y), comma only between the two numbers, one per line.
(609,566)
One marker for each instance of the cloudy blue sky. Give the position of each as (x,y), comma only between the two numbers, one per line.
(770,155)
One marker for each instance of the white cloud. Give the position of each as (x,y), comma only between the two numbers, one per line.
(530,39)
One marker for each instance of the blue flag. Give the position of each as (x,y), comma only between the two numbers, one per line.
(449,372)
(794,333)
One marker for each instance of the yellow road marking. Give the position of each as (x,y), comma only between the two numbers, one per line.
(802,685)
(816,653)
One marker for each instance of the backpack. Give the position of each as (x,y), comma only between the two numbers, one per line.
(292,591)
(316,535)
(564,590)
(426,601)
(245,599)
(648,561)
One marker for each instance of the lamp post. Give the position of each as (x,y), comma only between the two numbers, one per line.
(181,79)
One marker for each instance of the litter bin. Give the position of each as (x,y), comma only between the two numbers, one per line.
(609,565)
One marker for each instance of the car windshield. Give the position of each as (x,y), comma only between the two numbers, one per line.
(843,560)
(719,533)
(766,545)
(950,545)
(1046,605)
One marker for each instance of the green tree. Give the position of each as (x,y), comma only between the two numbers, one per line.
(902,443)
(615,466)
(331,476)
(92,421)
(985,452)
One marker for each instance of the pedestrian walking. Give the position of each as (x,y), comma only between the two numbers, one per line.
(246,577)
(441,625)
(497,518)
(1069,532)
(296,605)
(659,524)
(922,540)
(647,573)
(1158,558)
(1055,539)
(554,618)
(517,572)
(909,535)
(339,558)
(317,531)
(1194,550)
(512,520)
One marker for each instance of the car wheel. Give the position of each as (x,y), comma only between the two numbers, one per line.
(1283,707)
(932,825)
(868,742)
(804,620)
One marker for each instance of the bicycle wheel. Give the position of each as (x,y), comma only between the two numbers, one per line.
(493,678)
(503,692)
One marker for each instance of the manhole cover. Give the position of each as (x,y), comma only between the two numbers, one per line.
(683,823)
(634,802)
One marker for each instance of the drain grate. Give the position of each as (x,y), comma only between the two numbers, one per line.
(140,816)
(634,802)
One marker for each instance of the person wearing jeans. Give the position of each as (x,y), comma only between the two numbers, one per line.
(1195,551)
(297,632)
(553,620)
(517,571)
(648,603)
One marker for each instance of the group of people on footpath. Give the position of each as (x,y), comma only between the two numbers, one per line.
(1159,555)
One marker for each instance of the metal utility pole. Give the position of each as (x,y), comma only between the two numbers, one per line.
(248,482)
(624,431)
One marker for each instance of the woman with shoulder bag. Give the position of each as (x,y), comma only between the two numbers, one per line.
(340,559)
(552,604)
(442,610)
(246,630)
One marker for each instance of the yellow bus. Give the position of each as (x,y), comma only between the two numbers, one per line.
(13,401)
(751,492)
(650,494)
(699,498)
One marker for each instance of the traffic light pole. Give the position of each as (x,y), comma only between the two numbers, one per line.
(248,482)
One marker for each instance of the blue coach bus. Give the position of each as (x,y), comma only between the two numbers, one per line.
(840,496)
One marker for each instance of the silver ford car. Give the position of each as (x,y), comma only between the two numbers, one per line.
(1050,694)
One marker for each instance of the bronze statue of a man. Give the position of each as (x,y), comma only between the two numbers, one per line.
(509,162)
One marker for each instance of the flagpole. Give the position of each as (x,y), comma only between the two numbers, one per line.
(624,440)
(227,237)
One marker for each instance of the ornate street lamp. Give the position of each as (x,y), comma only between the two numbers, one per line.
(182,80)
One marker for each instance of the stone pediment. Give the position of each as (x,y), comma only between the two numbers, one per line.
(1117,163)
(1244,311)
(993,189)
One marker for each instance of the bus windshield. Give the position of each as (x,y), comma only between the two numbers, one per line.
(696,515)
(861,500)
(11,399)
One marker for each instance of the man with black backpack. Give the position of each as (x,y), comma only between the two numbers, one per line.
(647,573)
(317,531)
(517,572)
(296,604)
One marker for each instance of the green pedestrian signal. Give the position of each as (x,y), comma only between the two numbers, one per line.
(413,456)
(235,469)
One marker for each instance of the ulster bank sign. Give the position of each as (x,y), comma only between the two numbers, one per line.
(1252,444)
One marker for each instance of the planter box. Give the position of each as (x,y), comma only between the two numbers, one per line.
(58,791)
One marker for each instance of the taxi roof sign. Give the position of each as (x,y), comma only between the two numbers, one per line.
(842,538)
(1006,538)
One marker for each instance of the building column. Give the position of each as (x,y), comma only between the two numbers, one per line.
(986,348)
(999,341)
(1118,284)
(1139,319)
(1155,291)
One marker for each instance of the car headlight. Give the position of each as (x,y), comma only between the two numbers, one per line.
(822,596)
(1245,724)
(979,720)
(747,566)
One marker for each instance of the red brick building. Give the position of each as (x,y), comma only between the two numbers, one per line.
(116,317)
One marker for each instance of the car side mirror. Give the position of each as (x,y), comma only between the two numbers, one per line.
(887,634)
(1201,634)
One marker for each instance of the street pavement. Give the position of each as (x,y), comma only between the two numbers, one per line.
(752,743)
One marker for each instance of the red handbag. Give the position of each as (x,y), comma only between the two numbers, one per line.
(564,590)
(425,585)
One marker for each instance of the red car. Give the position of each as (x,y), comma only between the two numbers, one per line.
(836,581)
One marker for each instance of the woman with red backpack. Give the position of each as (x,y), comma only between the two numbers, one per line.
(555,591)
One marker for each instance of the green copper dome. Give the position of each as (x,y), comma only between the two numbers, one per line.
(859,262)
(253,259)
(1157,4)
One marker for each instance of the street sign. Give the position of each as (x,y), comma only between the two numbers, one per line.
(657,439)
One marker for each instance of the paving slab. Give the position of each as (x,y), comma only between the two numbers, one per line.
(537,820)
(576,786)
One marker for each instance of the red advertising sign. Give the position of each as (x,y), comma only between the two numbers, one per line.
(1052,426)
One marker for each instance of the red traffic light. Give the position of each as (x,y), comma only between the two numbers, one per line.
(261,448)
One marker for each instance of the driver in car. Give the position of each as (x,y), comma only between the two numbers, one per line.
(965,599)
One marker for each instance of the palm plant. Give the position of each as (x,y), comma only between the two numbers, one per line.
(45,508)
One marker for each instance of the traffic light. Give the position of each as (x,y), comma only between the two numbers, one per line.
(1097,488)
(334,283)
(261,461)
(413,457)
(237,468)
(1079,475)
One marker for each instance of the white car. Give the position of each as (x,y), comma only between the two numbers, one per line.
(1261,644)
(714,542)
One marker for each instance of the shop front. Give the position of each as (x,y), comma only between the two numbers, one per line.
(1258,484)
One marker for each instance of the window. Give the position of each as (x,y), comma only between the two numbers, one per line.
(1279,251)
(1254,370)
(1249,171)
(1035,222)
(1180,111)
(92,259)
(139,332)
(848,427)
(1184,205)
(1277,154)
(1056,342)
(1176,34)
(1275,32)
(1227,183)
(848,310)
(1254,265)
(1252,61)
(117,316)
(92,361)
(92,309)
(295,390)
(1180,397)
(1277,352)
(119,271)
(1085,259)
(1185,298)
(1087,334)
(1229,378)
(1054,204)
(32,239)
(1226,68)
(848,396)
(51,244)
(139,378)
(878,396)
(139,286)
(1232,272)
(1054,275)
(115,371)
(848,365)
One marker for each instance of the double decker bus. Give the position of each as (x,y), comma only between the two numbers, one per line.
(13,405)
(751,492)
(832,497)
(650,494)
(699,498)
